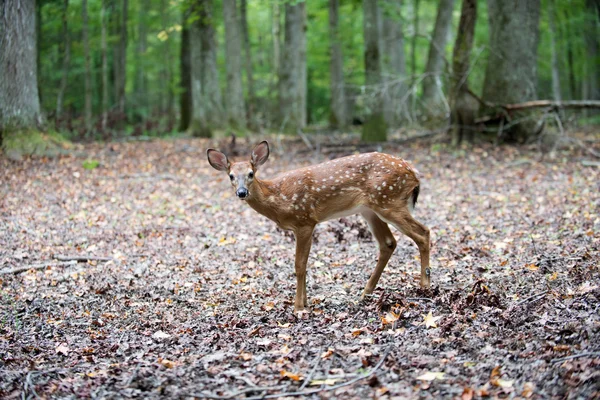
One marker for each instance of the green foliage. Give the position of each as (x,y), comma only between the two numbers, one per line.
(90,164)
(159,66)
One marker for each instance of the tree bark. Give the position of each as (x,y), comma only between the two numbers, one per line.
(185,98)
(88,69)
(413,44)
(234,100)
(19,99)
(592,42)
(167,97)
(276,32)
(211,88)
(511,73)
(65,46)
(463,106)
(251,103)
(555,66)
(433,95)
(292,78)
(394,65)
(121,58)
(141,81)
(38,61)
(199,125)
(338,117)
(104,50)
(375,128)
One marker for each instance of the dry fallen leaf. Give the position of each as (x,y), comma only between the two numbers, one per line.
(430,320)
(62,349)
(167,363)
(290,375)
(389,318)
(160,335)
(328,353)
(430,376)
(528,388)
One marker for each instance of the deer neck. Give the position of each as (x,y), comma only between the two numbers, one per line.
(262,199)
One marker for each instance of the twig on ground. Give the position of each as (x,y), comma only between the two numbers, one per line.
(580,355)
(17,270)
(330,388)
(293,394)
(82,258)
(419,299)
(313,370)
(208,395)
(534,297)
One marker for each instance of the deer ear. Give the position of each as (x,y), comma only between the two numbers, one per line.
(217,160)
(260,154)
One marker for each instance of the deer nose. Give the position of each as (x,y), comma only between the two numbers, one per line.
(242,193)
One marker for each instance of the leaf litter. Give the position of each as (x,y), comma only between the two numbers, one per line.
(187,292)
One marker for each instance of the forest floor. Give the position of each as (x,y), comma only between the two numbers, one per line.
(184,291)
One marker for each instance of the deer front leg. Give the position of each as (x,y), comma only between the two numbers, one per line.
(303,244)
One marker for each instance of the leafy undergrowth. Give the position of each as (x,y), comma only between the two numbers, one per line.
(195,299)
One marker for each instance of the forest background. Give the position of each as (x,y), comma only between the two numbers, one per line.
(116,68)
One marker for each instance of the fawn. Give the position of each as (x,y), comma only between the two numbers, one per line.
(380,187)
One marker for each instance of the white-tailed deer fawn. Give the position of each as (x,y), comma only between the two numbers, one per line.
(380,187)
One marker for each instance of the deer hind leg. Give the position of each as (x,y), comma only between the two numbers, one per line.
(415,230)
(387,244)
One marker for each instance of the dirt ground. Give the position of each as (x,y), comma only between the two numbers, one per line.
(183,291)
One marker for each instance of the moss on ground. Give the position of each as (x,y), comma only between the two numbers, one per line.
(31,142)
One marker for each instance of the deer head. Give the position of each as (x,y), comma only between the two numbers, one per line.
(241,174)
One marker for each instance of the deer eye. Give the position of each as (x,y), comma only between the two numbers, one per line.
(231,176)
(251,175)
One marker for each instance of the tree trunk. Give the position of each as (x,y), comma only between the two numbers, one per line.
(38,35)
(141,81)
(413,43)
(19,99)
(592,42)
(463,106)
(121,60)
(185,99)
(338,117)
(65,46)
(104,49)
(199,125)
(88,69)
(211,88)
(555,66)
(276,31)
(570,62)
(234,100)
(511,73)
(167,97)
(292,78)
(433,94)
(394,65)
(251,103)
(375,128)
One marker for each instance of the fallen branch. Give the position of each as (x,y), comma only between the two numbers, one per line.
(551,104)
(580,355)
(292,394)
(82,258)
(330,388)
(17,270)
